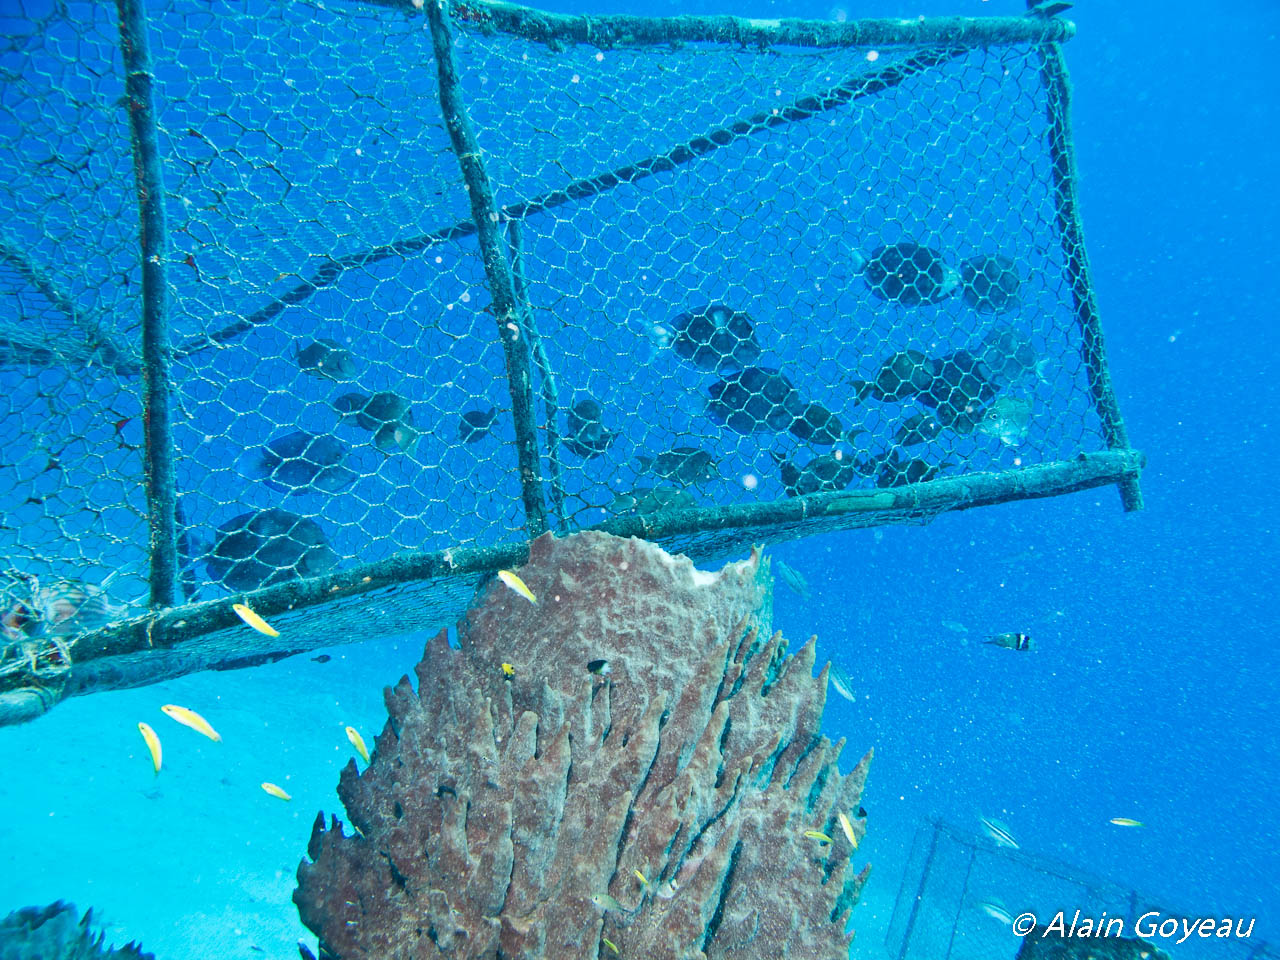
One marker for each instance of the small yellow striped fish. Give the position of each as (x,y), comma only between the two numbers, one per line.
(516,584)
(255,621)
(189,718)
(817,835)
(275,791)
(644,881)
(153,744)
(608,943)
(357,741)
(847,827)
(1126,822)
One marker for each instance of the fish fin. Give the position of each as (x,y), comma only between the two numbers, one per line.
(862,389)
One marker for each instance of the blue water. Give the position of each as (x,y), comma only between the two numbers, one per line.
(1155,689)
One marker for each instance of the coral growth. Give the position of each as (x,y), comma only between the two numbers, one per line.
(631,758)
(58,932)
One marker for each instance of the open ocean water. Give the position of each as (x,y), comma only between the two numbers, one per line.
(1154,689)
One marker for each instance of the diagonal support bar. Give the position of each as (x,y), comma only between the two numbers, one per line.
(157,358)
(506,309)
(1057,87)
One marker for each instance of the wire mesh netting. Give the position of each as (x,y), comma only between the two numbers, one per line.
(744,274)
(961,893)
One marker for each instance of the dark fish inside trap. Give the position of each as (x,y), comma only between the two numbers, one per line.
(267,547)
(755,399)
(910,274)
(716,338)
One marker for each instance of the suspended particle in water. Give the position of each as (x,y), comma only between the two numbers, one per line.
(873,56)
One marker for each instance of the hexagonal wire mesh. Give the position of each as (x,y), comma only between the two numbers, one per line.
(746,272)
(961,892)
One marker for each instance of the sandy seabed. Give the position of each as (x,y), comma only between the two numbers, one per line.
(199,862)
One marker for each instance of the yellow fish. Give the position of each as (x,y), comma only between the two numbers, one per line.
(255,621)
(847,827)
(608,943)
(189,718)
(508,670)
(817,835)
(153,743)
(644,881)
(275,791)
(357,741)
(516,584)
(1126,822)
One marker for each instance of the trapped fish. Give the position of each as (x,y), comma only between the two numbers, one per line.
(357,741)
(1009,357)
(516,584)
(684,465)
(991,283)
(275,791)
(267,547)
(896,472)
(588,437)
(1007,419)
(716,338)
(326,360)
(902,375)
(393,437)
(189,718)
(646,500)
(998,832)
(821,474)
(153,744)
(371,413)
(918,428)
(755,399)
(255,621)
(817,424)
(299,462)
(474,425)
(910,274)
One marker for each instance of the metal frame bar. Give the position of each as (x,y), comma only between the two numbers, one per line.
(1057,87)
(190,625)
(546,376)
(157,396)
(624,30)
(506,310)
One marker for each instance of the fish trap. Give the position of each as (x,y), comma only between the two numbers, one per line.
(341,304)
(962,893)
